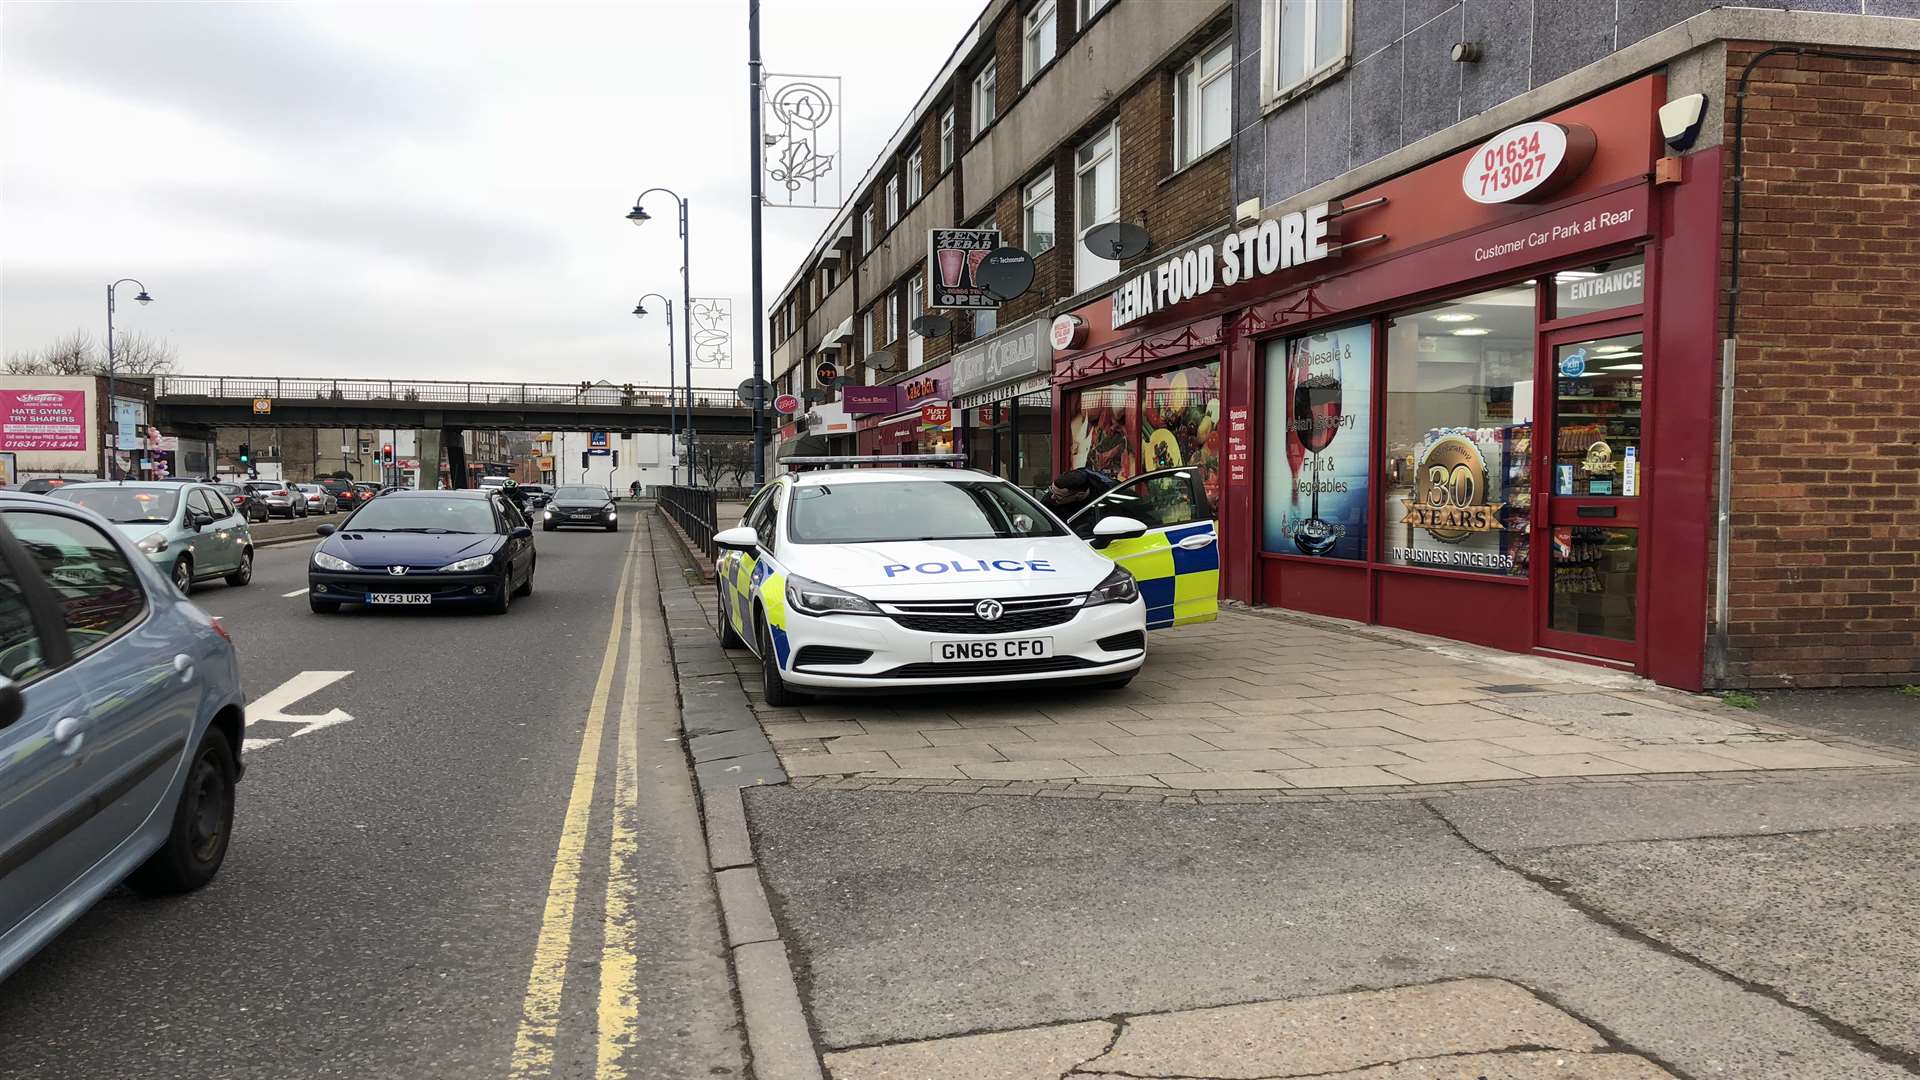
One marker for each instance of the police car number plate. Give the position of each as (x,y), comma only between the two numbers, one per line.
(399,598)
(994,649)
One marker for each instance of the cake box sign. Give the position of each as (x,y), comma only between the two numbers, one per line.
(1527,162)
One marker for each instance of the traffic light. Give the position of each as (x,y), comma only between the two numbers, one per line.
(586,459)
(616,459)
(246,454)
(386,453)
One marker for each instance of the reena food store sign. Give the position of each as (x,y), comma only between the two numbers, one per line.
(1274,245)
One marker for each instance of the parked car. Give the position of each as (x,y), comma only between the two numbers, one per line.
(190,531)
(121,718)
(368,492)
(245,501)
(319,499)
(282,500)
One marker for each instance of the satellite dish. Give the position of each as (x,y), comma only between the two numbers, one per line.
(843,380)
(1116,240)
(931,326)
(1006,272)
(748,396)
(883,362)
(813,396)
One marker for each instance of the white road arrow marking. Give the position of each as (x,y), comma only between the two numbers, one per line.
(270,707)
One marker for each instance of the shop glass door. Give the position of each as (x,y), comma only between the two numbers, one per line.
(1596,480)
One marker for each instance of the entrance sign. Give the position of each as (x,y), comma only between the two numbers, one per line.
(1018,354)
(869,400)
(1527,162)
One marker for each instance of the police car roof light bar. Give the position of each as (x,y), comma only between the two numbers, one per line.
(878,459)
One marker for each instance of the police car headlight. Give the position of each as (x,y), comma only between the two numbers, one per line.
(813,598)
(478,562)
(331,562)
(1119,588)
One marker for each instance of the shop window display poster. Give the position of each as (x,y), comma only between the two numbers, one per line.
(1180,424)
(1318,401)
(1101,435)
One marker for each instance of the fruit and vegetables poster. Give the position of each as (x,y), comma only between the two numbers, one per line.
(1180,424)
(1317,404)
(1102,433)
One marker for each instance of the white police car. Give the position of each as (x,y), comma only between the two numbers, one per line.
(896,579)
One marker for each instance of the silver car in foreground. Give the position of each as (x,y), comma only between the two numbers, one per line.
(121,718)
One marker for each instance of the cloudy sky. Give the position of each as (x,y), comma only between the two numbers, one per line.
(429,191)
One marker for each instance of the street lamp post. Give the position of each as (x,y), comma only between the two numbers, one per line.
(113,427)
(673,420)
(639,216)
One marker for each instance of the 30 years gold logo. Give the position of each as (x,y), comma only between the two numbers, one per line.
(1449,498)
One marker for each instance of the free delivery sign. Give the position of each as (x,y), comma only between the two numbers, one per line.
(43,420)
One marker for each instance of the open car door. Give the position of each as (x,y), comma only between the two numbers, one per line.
(1177,562)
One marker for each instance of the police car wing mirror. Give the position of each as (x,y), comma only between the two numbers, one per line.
(739,538)
(1109,529)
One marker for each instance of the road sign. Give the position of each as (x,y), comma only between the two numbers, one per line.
(262,406)
(599,451)
(751,389)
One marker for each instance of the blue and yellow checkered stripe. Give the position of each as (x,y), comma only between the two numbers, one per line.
(1179,586)
(746,576)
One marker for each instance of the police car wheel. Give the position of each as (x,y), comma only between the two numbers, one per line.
(729,638)
(772,686)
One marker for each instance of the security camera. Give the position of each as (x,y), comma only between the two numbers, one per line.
(1680,120)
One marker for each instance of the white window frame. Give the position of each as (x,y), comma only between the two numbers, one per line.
(867,232)
(916,306)
(1189,90)
(866,333)
(916,175)
(1090,8)
(893,316)
(988,315)
(893,200)
(1041,187)
(1090,269)
(1043,17)
(947,122)
(1271,91)
(986,100)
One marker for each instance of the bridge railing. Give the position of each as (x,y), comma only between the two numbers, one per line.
(243,387)
(695,511)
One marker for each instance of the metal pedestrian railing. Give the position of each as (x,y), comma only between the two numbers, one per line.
(241,387)
(695,510)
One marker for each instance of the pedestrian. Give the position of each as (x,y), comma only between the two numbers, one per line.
(1073,489)
(633,490)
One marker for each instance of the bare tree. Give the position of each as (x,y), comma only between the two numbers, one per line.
(134,354)
(725,461)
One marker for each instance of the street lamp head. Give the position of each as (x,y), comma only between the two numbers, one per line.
(143,298)
(638,215)
(639,311)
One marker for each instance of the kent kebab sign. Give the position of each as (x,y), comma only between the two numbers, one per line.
(1274,245)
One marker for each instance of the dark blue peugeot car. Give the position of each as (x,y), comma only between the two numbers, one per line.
(434,548)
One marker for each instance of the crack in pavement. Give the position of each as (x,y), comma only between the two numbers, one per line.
(1566,894)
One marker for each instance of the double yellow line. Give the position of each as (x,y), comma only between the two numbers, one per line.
(533,1045)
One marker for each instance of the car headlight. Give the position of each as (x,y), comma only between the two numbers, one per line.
(812,598)
(549,513)
(153,544)
(478,562)
(331,562)
(1118,588)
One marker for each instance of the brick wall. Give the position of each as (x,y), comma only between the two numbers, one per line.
(1825,581)
(1171,206)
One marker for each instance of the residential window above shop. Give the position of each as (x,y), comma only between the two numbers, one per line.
(986,102)
(1096,202)
(893,201)
(893,317)
(867,343)
(867,236)
(946,139)
(1308,39)
(1203,104)
(1039,39)
(1090,8)
(916,179)
(1036,214)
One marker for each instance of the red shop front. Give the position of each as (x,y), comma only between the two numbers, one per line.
(1486,418)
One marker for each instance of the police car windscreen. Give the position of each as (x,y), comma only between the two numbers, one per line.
(860,513)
